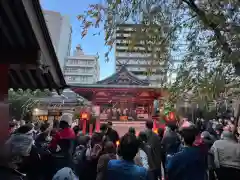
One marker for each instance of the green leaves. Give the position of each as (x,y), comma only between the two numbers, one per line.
(201,37)
(22,102)
(115,12)
(118,2)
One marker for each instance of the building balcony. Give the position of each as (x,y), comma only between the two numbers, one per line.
(80,65)
(80,73)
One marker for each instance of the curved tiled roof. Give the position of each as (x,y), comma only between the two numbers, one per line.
(123,77)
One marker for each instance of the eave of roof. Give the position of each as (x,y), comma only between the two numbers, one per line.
(24,33)
(113,77)
(110,86)
(56,65)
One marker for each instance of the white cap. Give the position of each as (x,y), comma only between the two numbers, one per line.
(68,118)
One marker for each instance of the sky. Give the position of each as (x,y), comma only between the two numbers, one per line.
(90,44)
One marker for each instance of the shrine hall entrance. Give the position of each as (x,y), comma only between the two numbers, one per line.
(125,110)
(121,97)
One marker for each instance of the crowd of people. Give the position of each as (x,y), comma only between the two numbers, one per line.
(206,150)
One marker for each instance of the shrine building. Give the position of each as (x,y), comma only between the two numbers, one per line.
(121,96)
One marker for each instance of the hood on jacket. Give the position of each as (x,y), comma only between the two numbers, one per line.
(20,144)
(227,135)
(65,174)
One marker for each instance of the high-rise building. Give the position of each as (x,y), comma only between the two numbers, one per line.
(60,30)
(138,59)
(81,68)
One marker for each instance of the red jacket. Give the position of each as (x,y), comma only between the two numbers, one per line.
(66,133)
(200,143)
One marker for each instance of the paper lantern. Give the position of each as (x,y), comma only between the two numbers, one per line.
(171,116)
(84,116)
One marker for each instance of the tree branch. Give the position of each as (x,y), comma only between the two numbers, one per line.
(213,26)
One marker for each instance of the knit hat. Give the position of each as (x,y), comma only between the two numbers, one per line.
(68,118)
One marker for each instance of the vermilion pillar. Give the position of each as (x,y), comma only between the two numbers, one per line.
(4,107)
(97,124)
(90,129)
(84,128)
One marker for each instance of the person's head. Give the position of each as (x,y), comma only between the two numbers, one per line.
(22,122)
(44,127)
(211,130)
(12,126)
(66,120)
(149,124)
(36,126)
(172,126)
(206,135)
(199,125)
(132,130)
(76,129)
(83,140)
(104,128)
(160,132)
(53,132)
(227,135)
(25,129)
(220,120)
(230,122)
(219,129)
(56,124)
(225,121)
(188,135)
(142,137)
(97,138)
(109,124)
(109,147)
(128,147)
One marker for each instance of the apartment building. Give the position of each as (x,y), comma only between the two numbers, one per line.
(81,68)
(139,59)
(60,30)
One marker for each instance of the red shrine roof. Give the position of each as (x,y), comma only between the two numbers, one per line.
(105,93)
(121,85)
(123,77)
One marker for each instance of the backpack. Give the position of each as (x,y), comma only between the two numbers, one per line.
(153,153)
(96,151)
(79,160)
(79,154)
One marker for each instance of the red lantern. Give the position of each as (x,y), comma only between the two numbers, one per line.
(171,116)
(84,116)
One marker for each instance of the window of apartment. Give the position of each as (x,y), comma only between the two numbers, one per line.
(83,69)
(82,62)
(89,70)
(90,62)
(70,78)
(82,78)
(71,70)
(71,61)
